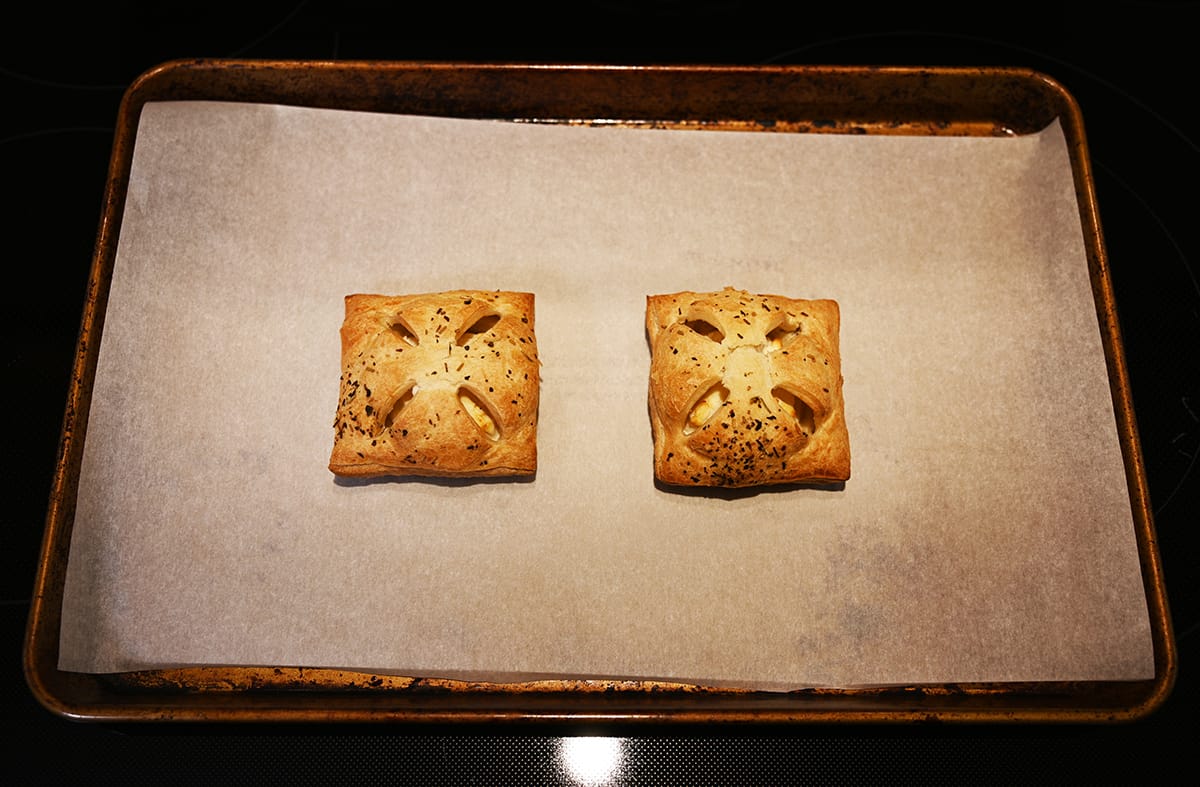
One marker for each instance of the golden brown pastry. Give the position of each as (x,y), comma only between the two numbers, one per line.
(437,384)
(745,389)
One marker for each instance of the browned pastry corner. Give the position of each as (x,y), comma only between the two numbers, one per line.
(745,389)
(437,384)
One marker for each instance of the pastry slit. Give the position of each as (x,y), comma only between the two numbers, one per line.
(482,325)
(393,412)
(706,329)
(705,407)
(406,334)
(781,336)
(479,413)
(797,408)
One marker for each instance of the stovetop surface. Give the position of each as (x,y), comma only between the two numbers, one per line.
(1130,67)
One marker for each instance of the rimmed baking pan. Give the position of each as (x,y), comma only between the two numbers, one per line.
(913,102)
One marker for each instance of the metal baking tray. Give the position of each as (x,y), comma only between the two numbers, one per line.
(777,99)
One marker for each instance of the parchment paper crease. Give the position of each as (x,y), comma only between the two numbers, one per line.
(985,534)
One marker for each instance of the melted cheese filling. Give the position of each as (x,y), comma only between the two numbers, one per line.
(479,415)
(795,407)
(704,409)
(779,337)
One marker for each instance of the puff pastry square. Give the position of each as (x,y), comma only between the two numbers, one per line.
(437,384)
(745,389)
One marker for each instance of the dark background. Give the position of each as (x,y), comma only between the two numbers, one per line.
(1130,66)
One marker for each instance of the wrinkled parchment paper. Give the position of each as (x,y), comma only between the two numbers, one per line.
(985,534)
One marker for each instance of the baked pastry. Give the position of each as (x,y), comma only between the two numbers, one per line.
(437,384)
(745,389)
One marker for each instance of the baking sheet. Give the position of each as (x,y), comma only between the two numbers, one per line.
(985,535)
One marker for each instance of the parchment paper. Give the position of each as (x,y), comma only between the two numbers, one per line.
(985,534)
